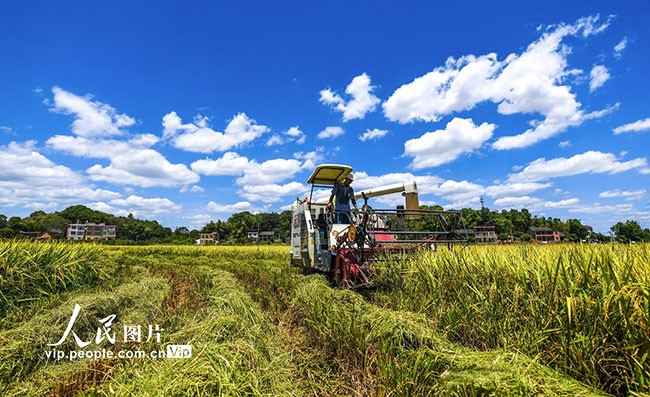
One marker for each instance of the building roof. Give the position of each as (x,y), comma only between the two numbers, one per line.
(537,229)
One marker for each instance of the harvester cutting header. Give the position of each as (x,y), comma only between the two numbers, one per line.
(345,245)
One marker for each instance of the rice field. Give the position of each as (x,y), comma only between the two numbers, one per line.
(516,320)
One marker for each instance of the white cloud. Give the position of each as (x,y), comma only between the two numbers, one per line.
(459,190)
(591,162)
(330,132)
(139,207)
(310,159)
(597,208)
(107,208)
(454,87)
(534,203)
(443,146)
(270,171)
(200,138)
(132,162)
(630,195)
(517,202)
(588,25)
(528,83)
(599,75)
(372,134)
(425,183)
(230,208)
(262,181)
(637,126)
(192,189)
(27,177)
(144,205)
(198,221)
(461,193)
(568,203)
(514,189)
(293,134)
(92,118)
(21,162)
(296,135)
(144,168)
(362,100)
(275,140)
(230,163)
(620,47)
(474,203)
(271,193)
(564,144)
(99,148)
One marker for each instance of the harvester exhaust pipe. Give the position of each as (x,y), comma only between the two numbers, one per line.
(412,203)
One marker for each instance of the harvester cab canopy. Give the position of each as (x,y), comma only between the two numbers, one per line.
(328,175)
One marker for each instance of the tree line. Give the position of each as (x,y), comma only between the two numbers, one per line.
(130,230)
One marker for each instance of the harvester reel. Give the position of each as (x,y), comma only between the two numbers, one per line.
(347,271)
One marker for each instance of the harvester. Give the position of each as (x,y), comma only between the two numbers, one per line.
(346,251)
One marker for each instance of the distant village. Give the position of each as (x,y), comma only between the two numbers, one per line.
(76,231)
(80,223)
(101,231)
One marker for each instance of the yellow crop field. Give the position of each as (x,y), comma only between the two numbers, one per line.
(568,320)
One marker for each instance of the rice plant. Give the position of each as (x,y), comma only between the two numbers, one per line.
(581,309)
(476,321)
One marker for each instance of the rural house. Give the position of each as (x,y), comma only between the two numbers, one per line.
(485,234)
(208,238)
(91,231)
(544,234)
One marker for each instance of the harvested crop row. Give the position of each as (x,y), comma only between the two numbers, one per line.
(26,369)
(397,352)
(235,351)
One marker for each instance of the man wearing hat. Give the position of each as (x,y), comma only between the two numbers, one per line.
(344,193)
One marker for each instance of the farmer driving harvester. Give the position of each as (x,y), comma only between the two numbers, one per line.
(344,193)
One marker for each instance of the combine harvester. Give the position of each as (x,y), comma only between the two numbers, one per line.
(346,251)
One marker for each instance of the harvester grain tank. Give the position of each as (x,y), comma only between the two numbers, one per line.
(345,251)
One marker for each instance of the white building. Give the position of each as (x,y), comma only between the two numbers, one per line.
(91,231)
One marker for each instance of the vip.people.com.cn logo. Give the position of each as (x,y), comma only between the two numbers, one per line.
(132,334)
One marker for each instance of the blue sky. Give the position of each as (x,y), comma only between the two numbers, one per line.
(186,112)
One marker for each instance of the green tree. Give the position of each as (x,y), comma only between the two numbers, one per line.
(181,231)
(6,232)
(630,231)
(81,213)
(15,223)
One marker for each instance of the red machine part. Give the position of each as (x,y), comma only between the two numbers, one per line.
(347,271)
